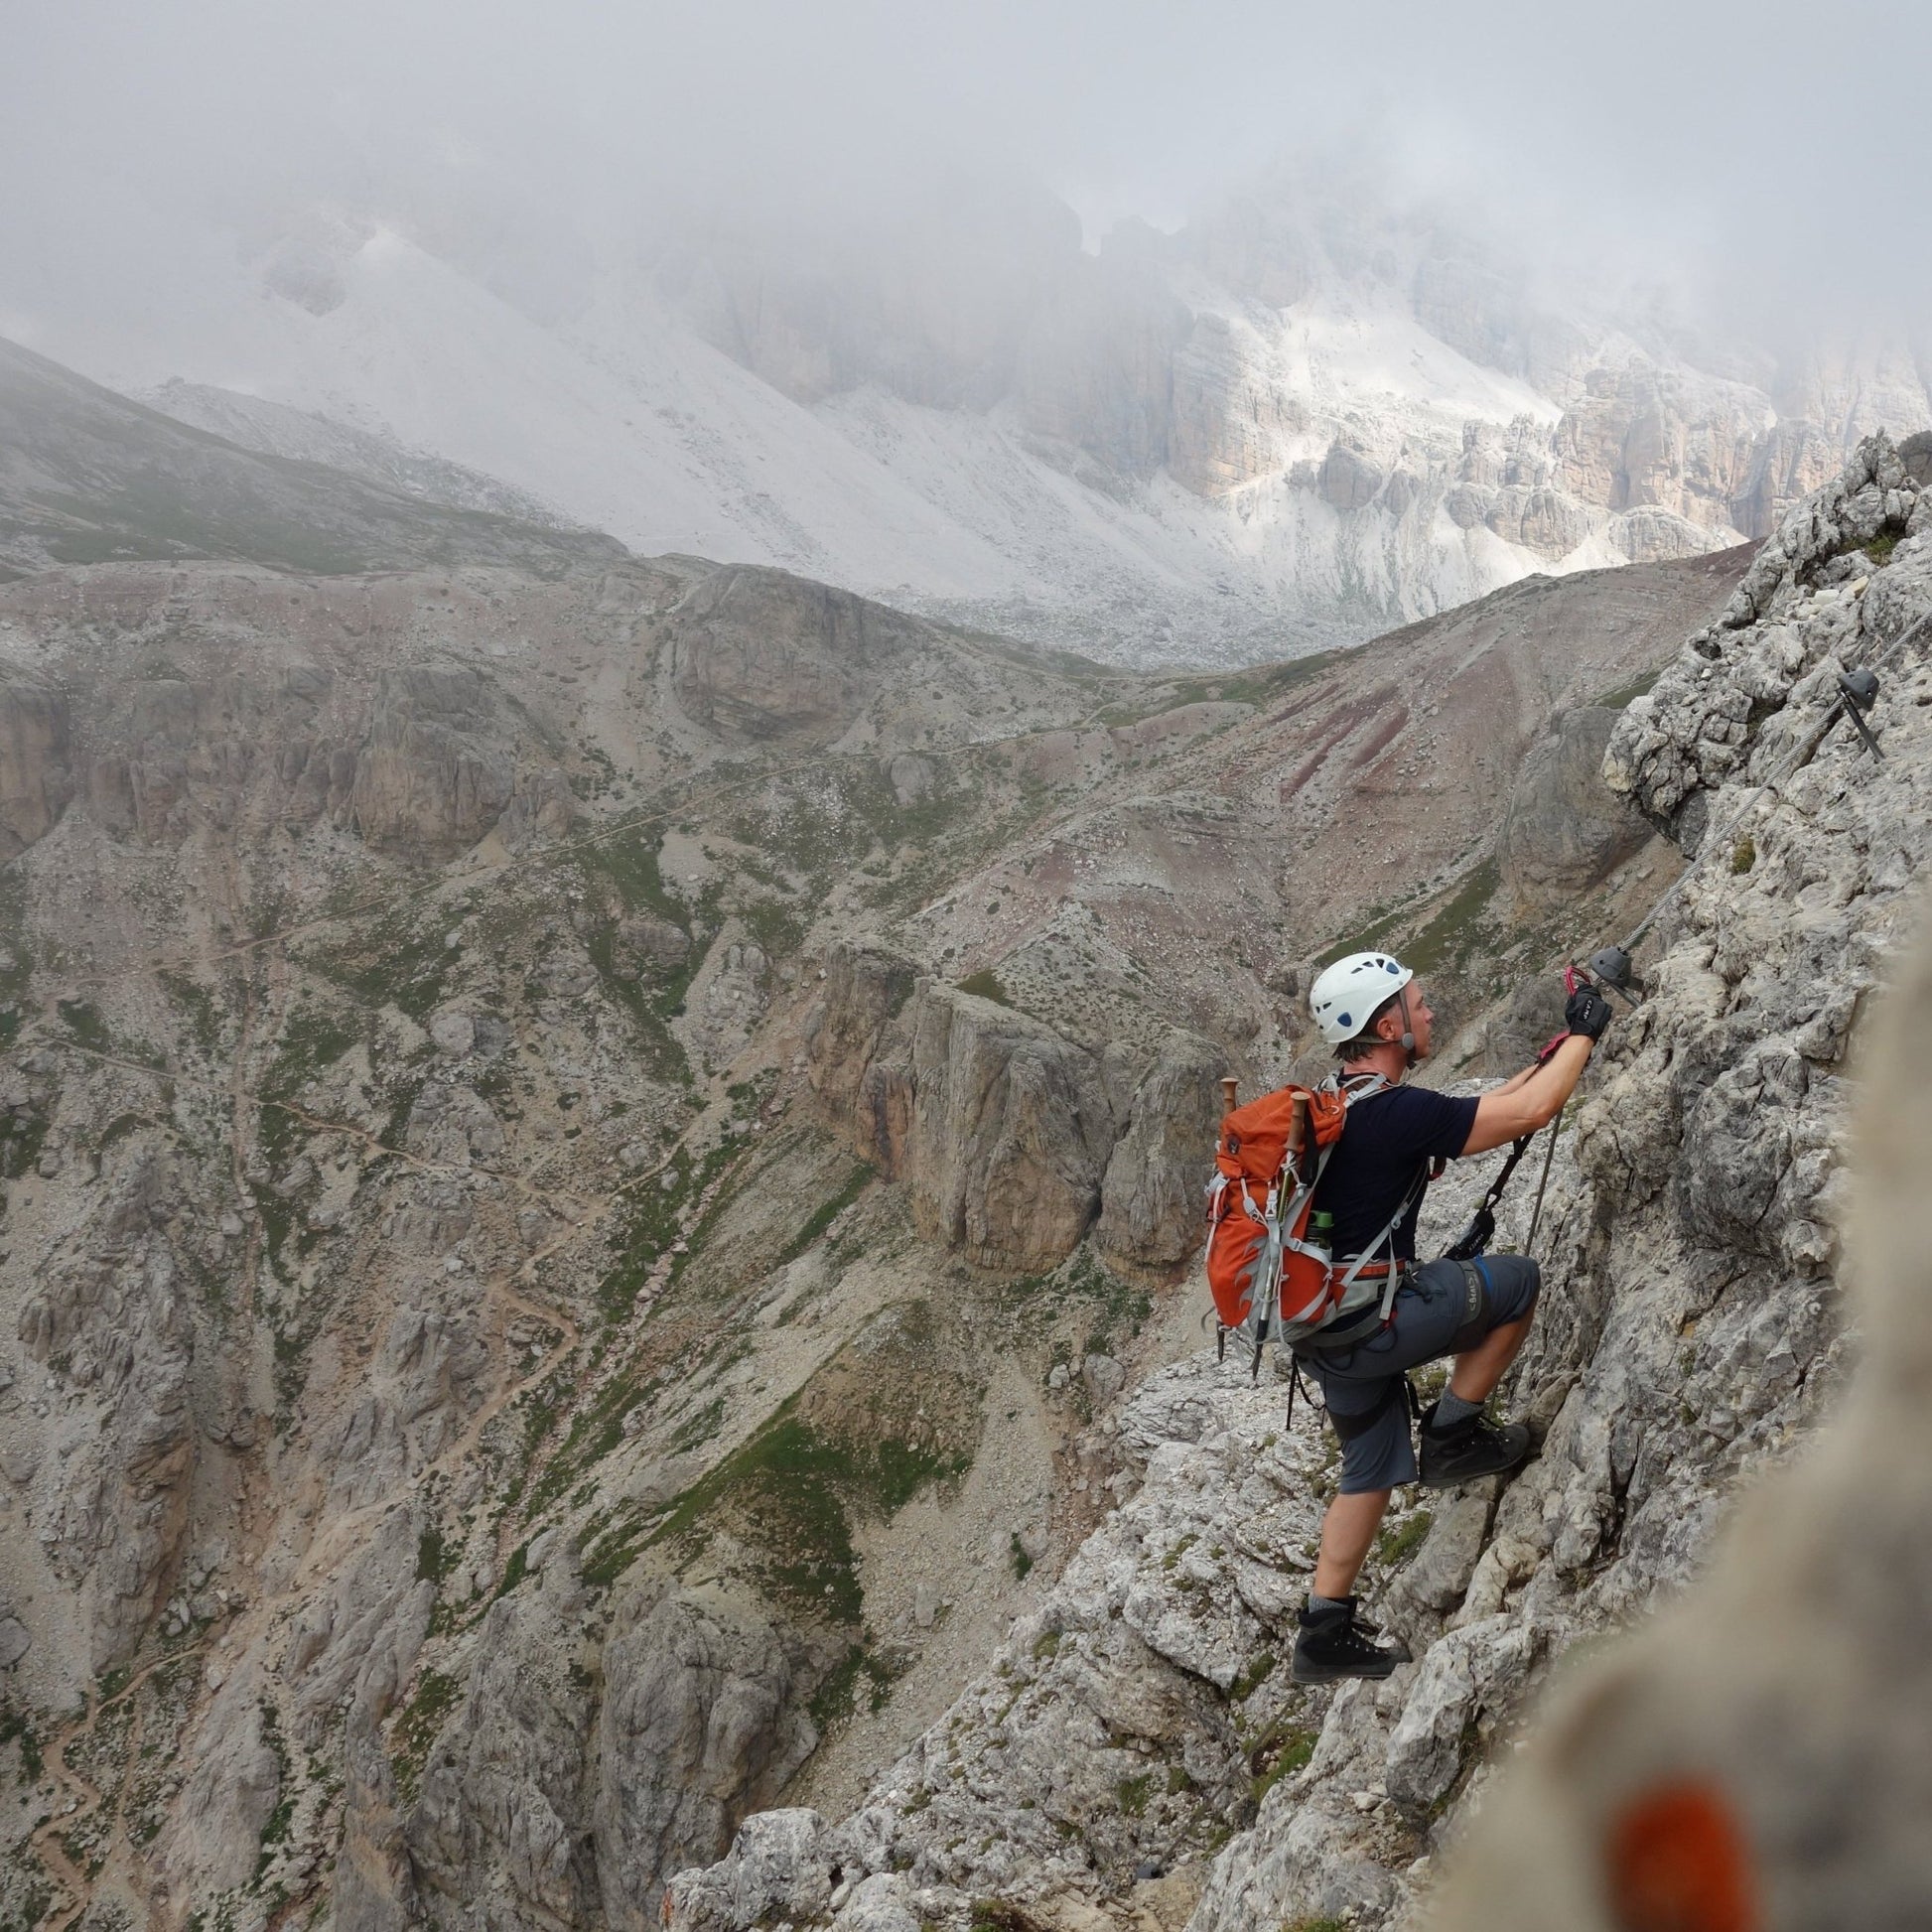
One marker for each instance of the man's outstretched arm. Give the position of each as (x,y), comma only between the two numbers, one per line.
(1536,1096)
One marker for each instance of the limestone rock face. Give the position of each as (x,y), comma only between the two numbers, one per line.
(114,1316)
(1014,1139)
(866,991)
(1229,421)
(1800,1791)
(1093,366)
(1151,1191)
(697,1726)
(430,777)
(231,1793)
(422,759)
(500,1825)
(762,658)
(1798,613)
(1564,830)
(1008,1133)
(35,775)
(374,1890)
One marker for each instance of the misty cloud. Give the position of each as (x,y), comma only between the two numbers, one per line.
(1773,145)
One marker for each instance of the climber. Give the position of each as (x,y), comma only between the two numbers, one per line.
(1377,1018)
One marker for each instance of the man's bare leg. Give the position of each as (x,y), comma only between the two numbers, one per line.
(1347,1531)
(1478,1370)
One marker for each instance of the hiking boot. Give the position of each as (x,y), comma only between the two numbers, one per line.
(1469,1450)
(1334,1643)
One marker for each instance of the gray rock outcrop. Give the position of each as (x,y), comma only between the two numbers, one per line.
(697,1726)
(1705,1763)
(1564,830)
(36,775)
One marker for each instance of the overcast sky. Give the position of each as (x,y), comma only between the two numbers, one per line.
(1785,144)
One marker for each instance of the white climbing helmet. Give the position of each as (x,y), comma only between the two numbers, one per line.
(1346,994)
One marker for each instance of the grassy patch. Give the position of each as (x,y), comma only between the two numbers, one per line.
(1283,1750)
(837,1697)
(654,1221)
(985,985)
(15,1730)
(778,926)
(200,1007)
(649,1002)
(16,963)
(310,1040)
(85,1028)
(595,1432)
(1879,549)
(514,1571)
(416,1729)
(392,963)
(1119,1308)
(1461,927)
(607,1552)
(1743,855)
(825,1214)
(1133,1794)
(1254,1674)
(1261,686)
(1017,1553)
(791,1493)
(275,1828)
(436,1558)
(1626,694)
(22,1136)
(1400,1541)
(628,860)
(699,1427)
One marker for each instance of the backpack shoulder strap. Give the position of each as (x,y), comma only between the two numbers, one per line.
(1367,1255)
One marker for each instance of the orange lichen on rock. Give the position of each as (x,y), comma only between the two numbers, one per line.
(1677,1862)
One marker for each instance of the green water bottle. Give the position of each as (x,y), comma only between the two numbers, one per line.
(1322,1232)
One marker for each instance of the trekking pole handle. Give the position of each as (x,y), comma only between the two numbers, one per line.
(1230,1086)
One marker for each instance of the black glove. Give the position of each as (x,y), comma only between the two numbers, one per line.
(1588,1013)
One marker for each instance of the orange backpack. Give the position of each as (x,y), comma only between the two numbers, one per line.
(1262,1270)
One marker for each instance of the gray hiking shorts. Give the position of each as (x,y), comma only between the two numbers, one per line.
(1438,1310)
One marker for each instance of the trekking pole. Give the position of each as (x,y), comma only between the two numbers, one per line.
(1543,1181)
(1569,977)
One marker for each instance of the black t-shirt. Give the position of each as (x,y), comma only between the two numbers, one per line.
(1388,1138)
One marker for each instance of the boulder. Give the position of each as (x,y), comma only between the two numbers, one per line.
(1349,478)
